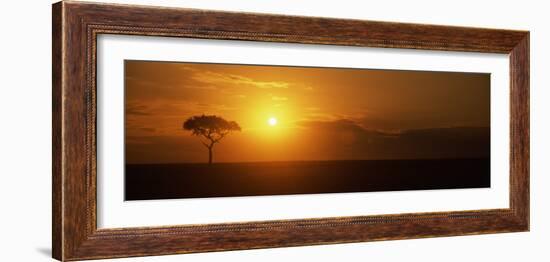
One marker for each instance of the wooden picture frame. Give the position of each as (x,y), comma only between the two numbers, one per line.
(76,26)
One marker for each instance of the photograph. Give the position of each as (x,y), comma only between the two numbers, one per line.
(199,130)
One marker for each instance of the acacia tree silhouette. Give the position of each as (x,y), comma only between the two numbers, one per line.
(213,128)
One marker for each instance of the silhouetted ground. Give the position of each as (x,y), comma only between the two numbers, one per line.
(168,181)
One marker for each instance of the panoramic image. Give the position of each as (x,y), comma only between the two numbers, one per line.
(198,130)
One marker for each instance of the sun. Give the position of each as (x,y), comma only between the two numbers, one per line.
(272,121)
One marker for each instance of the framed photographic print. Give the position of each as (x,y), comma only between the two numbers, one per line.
(182,130)
(219,130)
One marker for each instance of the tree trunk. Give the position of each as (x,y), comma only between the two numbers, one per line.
(210,155)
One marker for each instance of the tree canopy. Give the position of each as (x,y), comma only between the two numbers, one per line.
(211,127)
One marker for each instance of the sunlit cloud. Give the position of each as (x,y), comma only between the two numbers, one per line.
(320,116)
(209,77)
(279,98)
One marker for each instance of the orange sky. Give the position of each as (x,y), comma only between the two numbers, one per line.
(322,113)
